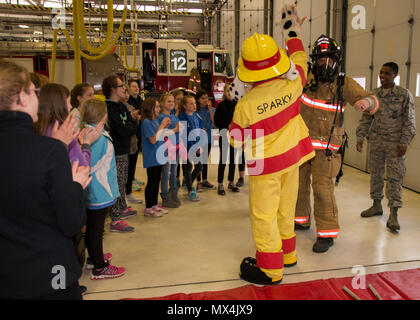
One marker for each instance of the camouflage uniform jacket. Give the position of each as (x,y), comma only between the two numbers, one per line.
(394,121)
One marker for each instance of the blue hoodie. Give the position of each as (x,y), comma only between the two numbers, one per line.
(102,191)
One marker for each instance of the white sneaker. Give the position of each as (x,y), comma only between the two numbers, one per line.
(132,199)
(160,209)
(151,212)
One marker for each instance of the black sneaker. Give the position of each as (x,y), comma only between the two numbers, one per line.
(322,244)
(251,273)
(240,182)
(83,290)
(233,187)
(221,190)
(208,185)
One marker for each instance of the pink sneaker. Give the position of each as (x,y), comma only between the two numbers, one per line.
(89,264)
(152,212)
(108,272)
(160,209)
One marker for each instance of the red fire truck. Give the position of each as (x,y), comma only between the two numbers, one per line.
(167,65)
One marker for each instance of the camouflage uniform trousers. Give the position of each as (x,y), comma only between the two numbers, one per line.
(384,154)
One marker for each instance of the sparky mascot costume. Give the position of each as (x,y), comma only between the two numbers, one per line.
(267,119)
(322,107)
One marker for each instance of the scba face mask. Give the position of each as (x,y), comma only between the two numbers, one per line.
(325,72)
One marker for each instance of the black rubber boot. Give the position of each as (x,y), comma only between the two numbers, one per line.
(303,226)
(251,273)
(375,210)
(173,195)
(392,222)
(167,202)
(299,226)
(322,244)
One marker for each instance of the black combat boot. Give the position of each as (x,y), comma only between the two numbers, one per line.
(392,222)
(375,210)
(322,244)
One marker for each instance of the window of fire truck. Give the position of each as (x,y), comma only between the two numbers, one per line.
(162,66)
(204,65)
(219,63)
(228,63)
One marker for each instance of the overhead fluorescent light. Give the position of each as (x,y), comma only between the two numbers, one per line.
(23,26)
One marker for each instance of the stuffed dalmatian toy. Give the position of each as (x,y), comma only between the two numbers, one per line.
(238,89)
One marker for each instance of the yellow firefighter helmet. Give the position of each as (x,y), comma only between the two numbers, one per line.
(261,59)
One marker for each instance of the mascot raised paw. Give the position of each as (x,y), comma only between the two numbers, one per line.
(238,89)
(290,22)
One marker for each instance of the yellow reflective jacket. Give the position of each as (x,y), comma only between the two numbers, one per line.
(267,118)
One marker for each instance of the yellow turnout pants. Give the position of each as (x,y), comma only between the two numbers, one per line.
(272,202)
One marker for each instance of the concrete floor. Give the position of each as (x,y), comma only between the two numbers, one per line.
(199,246)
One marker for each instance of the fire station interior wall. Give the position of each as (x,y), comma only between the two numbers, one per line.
(64,72)
(357,62)
(391,43)
(214,31)
(251,19)
(227,29)
(314,26)
(28,63)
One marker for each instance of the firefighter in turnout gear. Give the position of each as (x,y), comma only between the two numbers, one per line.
(268,119)
(322,107)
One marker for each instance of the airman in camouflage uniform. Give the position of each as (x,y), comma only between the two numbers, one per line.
(389,131)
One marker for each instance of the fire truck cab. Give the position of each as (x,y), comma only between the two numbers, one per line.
(167,65)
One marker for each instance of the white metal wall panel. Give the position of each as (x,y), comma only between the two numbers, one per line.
(251,19)
(64,72)
(319,19)
(214,31)
(227,29)
(358,59)
(412,178)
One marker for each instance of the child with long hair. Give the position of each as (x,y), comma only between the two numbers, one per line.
(169,196)
(178,96)
(222,119)
(121,127)
(206,111)
(79,94)
(101,193)
(152,139)
(191,121)
(54,106)
(133,155)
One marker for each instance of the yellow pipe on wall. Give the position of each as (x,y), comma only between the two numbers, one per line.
(78,24)
(54,55)
(109,33)
(133,67)
(76,47)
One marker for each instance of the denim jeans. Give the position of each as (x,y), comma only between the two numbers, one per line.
(169,177)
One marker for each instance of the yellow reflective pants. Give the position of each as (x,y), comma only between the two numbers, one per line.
(272,202)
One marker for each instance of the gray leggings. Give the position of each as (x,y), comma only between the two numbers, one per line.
(122,176)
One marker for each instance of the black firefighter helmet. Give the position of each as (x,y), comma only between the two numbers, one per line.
(326,47)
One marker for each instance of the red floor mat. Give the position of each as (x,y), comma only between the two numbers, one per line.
(395,285)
